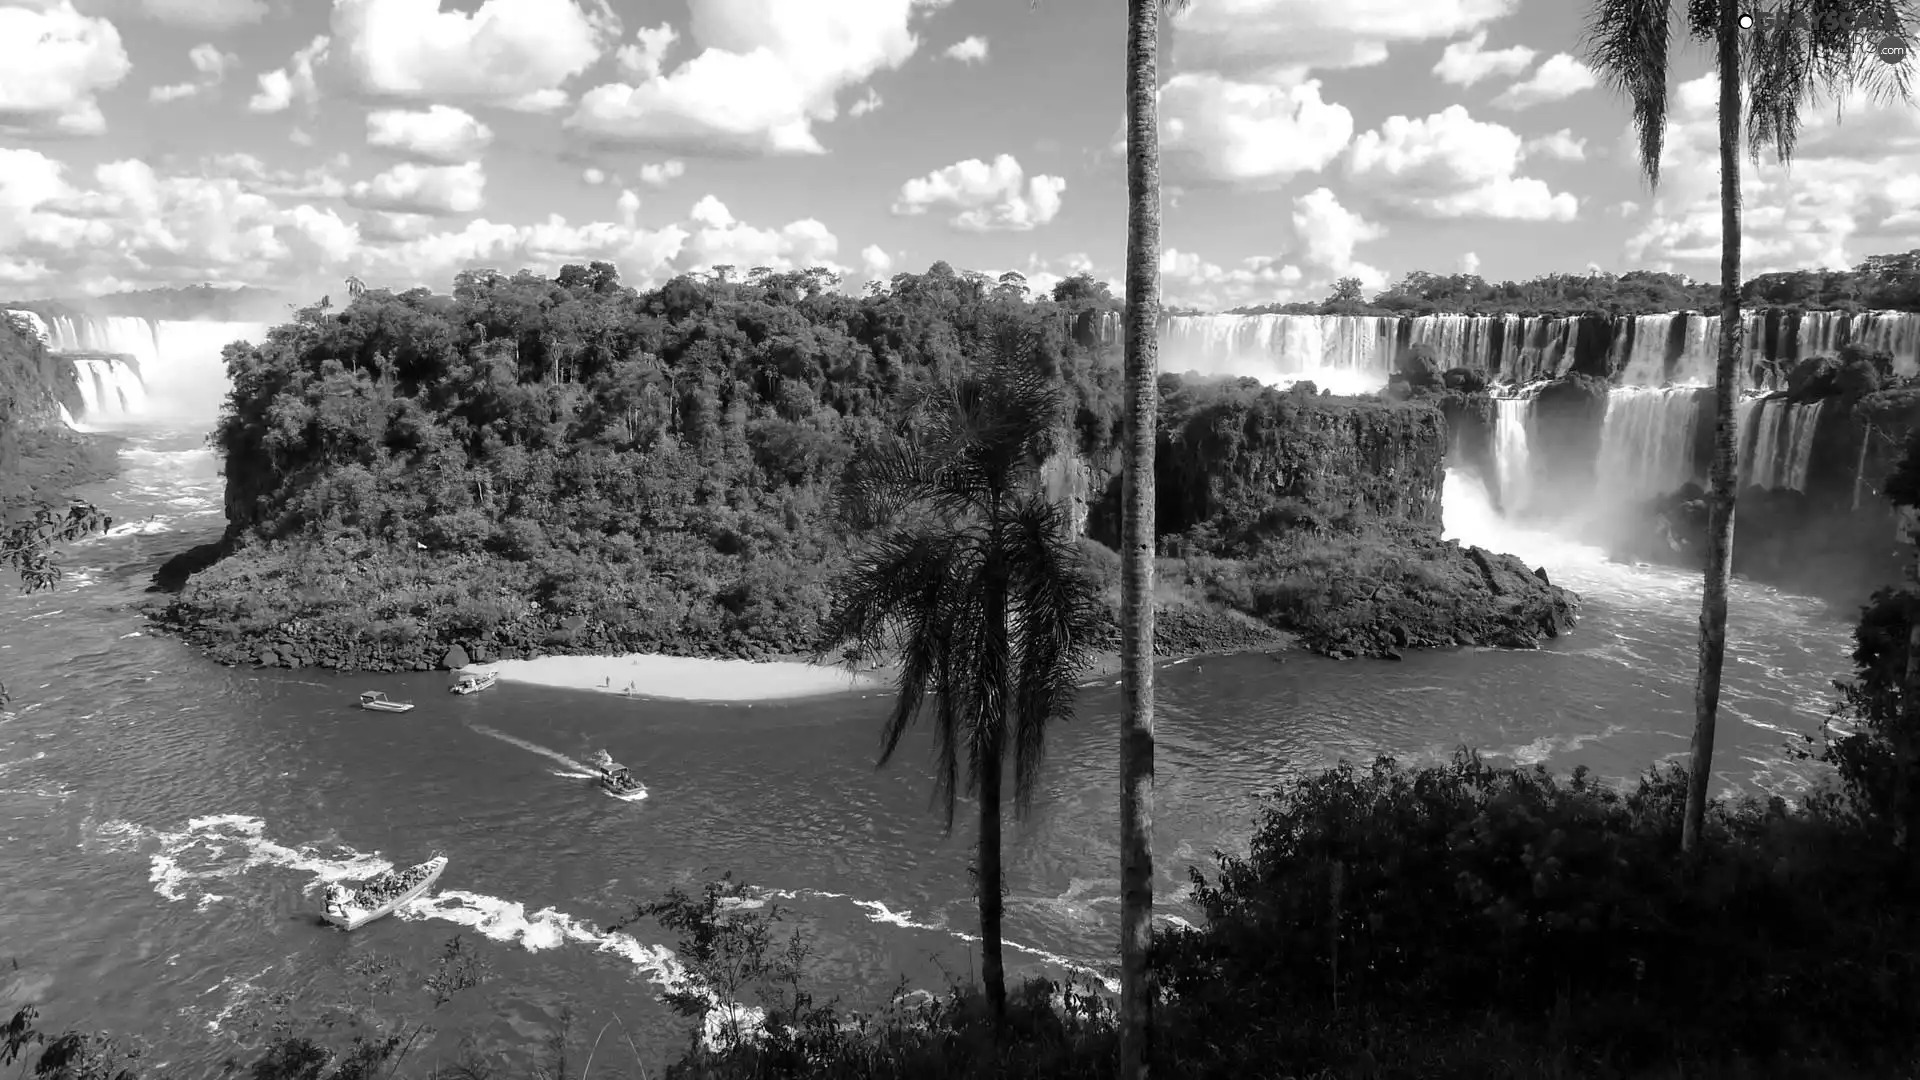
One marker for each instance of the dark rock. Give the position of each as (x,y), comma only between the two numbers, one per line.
(269,658)
(455,659)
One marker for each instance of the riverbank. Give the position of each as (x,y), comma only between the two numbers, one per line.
(48,463)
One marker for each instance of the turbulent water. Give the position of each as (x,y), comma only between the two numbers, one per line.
(166,823)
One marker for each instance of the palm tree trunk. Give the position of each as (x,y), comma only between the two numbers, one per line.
(1137,992)
(1720,478)
(993,967)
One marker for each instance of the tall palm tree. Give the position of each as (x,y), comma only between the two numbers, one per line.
(1801,49)
(1142,405)
(973,583)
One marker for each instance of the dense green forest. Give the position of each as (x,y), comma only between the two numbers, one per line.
(1881,283)
(568,464)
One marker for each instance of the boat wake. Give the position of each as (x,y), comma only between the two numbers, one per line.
(574,769)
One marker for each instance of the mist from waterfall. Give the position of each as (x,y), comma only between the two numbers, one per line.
(176,372)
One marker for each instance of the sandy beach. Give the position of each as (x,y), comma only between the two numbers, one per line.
(686,678)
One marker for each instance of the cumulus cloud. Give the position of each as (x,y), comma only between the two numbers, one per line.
(1464,63)
(1559,76)
(875,262)
(765,73)
(210,62)
(281,87)
(408,188)
(596,177)
(1328,233)
(1559,144)
(515,53)
(1245,36)
(441,134)
(866,104)
(1449,165)
(1258,135)
(1851,192)
(53,61)
(992,197)
(125,224)
(642,58)
(1189,281)
(1469,263)
(968,50)
(208,15)
(661,174)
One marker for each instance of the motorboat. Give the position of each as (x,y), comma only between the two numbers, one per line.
(617,780)
(381,894)
(473,680)
(378,702)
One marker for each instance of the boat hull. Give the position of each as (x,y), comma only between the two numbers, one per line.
(474,686)
(386,706)
(356,919)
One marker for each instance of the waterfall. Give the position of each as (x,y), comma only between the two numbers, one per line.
(1645,348)
(177,370)
(1345,353)
(1776,442)
(1512,452)
(1646,441)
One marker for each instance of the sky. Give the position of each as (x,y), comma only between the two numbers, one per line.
(291,143)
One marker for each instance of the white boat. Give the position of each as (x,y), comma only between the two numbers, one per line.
(472,681)
(353,910)
(617,780)
(377,701)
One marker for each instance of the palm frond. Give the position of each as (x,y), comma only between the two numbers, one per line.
(1053,618)
(1627,43)
(1812,49)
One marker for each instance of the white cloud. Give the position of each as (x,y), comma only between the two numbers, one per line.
(1328,233)
(719,240)
(1240,36)
(866,104)
(988,197)
(256,177)
(1449,165)
(210,62)
(1469,263)
(53,61)
(1559,76)
(662,174)
(424,189)
(1256,135)
(211,15)
(1464,63)
(440,134)
(1851,192)
(629,206)
(875,262)
(281,87)
(1187,280)
(596,177)
(642,59)
(127,225)
(766,72)
(968,50)
(1559,144)
(507,52)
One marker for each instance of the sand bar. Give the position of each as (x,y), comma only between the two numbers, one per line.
(686,678)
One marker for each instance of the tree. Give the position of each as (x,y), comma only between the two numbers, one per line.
(27,547)
(973,584)
(1805,49)
(1141,408)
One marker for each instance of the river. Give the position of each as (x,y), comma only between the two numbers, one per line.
(165,822)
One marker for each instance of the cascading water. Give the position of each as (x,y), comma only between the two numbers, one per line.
(1646,442)
(1345,354)
(176,373)
(1512,452)
(1776,442)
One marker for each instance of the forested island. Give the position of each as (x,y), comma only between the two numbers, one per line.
(534,465)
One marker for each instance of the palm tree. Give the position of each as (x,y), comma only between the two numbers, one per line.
(1802,49)
(971,580)
(1141,363)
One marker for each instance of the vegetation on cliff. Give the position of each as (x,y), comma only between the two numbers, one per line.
(569,465)
(1880,283)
